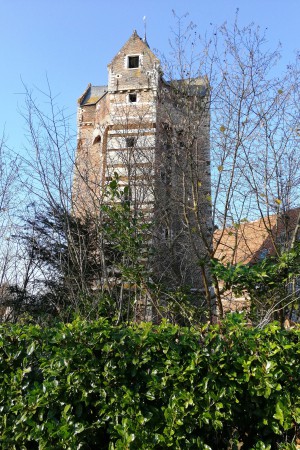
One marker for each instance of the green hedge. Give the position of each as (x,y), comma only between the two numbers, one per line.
(96,386)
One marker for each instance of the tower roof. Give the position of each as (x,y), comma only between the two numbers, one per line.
(92,95)
(135,44)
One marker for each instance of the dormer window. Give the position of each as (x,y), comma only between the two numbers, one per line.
(133,62)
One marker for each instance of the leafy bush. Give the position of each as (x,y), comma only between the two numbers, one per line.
(96,386)
(271,283)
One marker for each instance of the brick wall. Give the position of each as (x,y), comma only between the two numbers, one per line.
(166,164)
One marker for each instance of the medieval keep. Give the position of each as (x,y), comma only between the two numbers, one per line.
(153,133)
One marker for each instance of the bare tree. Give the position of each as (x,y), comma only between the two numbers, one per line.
(254,120)
(11,253)
(79,223)
(59,244)
(223,153)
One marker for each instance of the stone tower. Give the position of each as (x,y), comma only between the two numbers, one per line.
(155,135)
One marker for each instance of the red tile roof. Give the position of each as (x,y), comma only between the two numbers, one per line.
(248,242)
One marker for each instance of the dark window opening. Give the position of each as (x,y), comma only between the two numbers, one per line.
(263,254)
(126,198)
(132,98)
(130,142)
(180,138)
(167,234)
(97,140)
(163,176)
(133,62)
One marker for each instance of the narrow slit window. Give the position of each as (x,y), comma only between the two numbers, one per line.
(163,176)
(132,98)
(133,62)
(167,234)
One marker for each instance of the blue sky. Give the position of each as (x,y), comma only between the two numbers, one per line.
(72,41)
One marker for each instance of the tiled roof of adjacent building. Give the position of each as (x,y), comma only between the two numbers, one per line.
(251,241)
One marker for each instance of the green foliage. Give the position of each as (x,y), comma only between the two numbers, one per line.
(98,266)
(271,272)
(126,230)
(269,282)
(62,248)
(95,386)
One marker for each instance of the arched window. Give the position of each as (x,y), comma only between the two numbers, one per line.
(97,140)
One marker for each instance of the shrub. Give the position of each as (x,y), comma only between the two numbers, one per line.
(97,386)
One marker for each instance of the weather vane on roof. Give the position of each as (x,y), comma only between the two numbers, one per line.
(145,28)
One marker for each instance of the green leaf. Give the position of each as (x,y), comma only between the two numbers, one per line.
(150,395)
(66,408)
(279,415)
(30,349)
